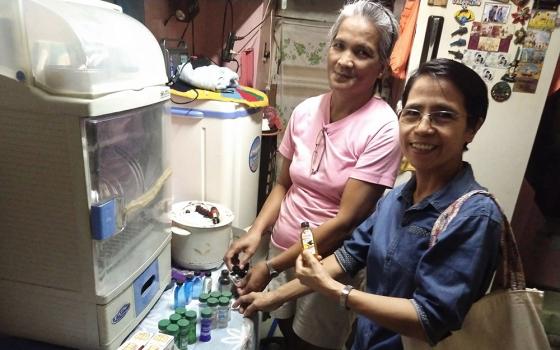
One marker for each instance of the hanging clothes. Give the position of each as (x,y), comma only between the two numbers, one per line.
(403,46)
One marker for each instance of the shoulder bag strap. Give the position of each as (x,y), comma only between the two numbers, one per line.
(511,265)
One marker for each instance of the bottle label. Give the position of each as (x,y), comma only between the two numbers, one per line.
(307,241)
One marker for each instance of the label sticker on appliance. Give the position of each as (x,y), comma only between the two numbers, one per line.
(120,315)
(254,154)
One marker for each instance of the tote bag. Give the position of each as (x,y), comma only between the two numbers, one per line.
(505,319)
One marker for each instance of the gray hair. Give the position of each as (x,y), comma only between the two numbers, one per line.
(383,20)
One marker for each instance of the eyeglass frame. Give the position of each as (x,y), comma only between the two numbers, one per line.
(319,140)
(451,116)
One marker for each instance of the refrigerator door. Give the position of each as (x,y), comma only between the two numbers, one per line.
(500,151)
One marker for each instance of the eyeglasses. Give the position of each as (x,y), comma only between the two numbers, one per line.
(318,152)
(411,116)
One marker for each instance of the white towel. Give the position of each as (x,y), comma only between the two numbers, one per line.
(210,77)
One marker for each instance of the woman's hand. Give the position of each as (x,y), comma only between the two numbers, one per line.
(247,245)
(311,272)
(256,280)
(263,301)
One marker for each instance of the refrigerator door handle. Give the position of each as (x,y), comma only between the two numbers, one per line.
(431,39)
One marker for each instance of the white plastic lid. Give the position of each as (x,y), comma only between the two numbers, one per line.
(82,48)
(184,213)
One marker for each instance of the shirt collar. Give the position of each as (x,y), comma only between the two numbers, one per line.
(462,182)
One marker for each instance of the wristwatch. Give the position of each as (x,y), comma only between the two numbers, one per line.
(343,300)
(271,271)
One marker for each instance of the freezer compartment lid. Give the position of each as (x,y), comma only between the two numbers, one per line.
(80,48)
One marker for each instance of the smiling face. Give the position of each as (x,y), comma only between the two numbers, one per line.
(353,61)
(435,149)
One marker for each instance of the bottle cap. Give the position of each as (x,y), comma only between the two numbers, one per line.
(304,224)
(227,294)
(224,273)
(216,295)
(203,297)
(174,318)
(190,315)
(206,313)
(212,302)
(172,329)
(224,301)
(208,273)
(180,311)
(182,323)
(162,324)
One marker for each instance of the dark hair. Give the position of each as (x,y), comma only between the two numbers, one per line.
(466,80)
(383,20)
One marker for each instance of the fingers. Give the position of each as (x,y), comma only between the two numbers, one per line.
(308,259)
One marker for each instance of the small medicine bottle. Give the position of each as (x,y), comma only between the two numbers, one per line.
(222,314)
(224,283)
(174,318)
(307,240)
(183,332)
(213,306)
(191,335)
(162,325)
(205,325)
(228,295)
(187,288)
(202,301)
(173,330)
(207,282)
(197,285)
(178,295)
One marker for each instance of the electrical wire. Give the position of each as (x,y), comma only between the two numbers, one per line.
(236,61)
(181,39)
(186,102)
(223,32)
(192,37)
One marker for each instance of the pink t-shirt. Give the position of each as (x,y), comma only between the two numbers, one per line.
(364,146)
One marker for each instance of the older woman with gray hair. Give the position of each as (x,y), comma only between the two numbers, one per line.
(339,153)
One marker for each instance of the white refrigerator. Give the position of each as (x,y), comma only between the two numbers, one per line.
(486,36)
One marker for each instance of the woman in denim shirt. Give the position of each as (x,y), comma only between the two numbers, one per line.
(412,289)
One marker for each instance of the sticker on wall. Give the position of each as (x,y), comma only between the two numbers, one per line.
(527,79)
(544,20)
(464,16)
(501,91)
(537,39)
(461,31)
(466,3)
(519,35)
(490,37)
(442,3)
(500,60)
(495,13)
(458,55)
(255,154)
(530,55)
(522,15)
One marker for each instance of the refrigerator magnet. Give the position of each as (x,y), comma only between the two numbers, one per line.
(463,16)
(501,91)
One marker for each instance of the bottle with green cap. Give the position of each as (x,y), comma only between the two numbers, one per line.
(205,324)
(183,332)
(173,330)
(191,317)
(228,295)
(213,306)
(222,318)
(162,325)
(202,301)
(174,318)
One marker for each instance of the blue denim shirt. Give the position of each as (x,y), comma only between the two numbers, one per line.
(443,281)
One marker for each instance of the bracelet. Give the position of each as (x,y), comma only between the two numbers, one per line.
(343,300)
